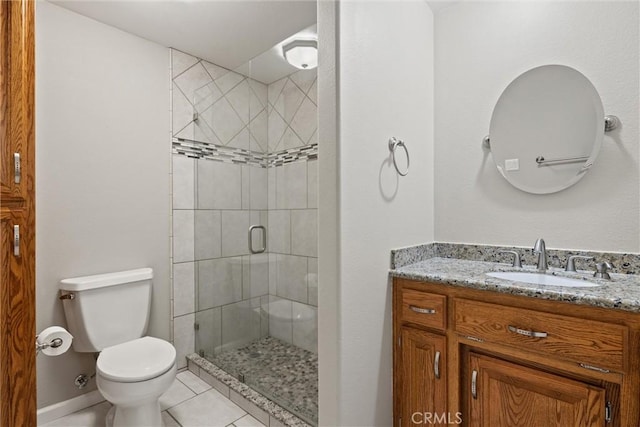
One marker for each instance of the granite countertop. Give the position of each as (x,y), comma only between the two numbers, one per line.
(622,292)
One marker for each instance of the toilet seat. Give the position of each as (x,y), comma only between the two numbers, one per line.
(138,360)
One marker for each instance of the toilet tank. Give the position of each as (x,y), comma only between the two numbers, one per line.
(107,309)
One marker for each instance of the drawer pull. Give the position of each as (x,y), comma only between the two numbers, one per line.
(422,310)
(436,365)
(474,384)
(526,333)
(594,368)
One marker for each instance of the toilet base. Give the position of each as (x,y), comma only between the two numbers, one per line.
(109,420)
(148,415)
(135,404)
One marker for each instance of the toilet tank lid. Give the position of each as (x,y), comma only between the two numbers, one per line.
(109,279)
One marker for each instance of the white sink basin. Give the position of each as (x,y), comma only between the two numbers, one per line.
(542,279)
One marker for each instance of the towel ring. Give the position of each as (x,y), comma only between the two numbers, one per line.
(394,143)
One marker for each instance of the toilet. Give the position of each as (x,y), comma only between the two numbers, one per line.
(109,313)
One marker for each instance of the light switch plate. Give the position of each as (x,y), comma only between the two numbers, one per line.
(512,164)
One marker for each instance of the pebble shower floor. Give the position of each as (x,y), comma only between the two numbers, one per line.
(286,374)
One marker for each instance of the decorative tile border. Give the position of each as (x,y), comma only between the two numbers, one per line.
(261,408)
(298,154)
(622,263)
(221,153)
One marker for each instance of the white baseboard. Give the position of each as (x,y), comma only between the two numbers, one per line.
(61,409)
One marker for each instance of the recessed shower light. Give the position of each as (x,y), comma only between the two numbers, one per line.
(302,54)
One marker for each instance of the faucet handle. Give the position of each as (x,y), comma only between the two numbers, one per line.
(517,262)
(571,263)
(601,270)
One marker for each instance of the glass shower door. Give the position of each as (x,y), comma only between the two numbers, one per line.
(232,283)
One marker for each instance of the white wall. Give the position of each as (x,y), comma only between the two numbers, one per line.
(102,178)
(385,89)
(480,47)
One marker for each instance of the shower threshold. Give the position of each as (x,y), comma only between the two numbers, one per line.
(279,378)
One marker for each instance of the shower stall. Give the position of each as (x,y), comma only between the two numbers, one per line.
(245,263)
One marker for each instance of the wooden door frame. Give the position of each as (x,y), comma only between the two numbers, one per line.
(17,207)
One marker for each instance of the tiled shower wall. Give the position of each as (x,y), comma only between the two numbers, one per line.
(253,163)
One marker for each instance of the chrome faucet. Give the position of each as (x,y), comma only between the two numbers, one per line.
(540,249)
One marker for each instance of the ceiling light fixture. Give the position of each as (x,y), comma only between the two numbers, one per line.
(302,54)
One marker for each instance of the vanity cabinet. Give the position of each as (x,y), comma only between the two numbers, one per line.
(421,356)
(509,361)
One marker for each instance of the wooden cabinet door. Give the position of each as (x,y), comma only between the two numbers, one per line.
(17,320)
(423,394)
(503,394)
(16,97)
(17,209)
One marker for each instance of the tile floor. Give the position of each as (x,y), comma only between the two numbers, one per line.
(189,402)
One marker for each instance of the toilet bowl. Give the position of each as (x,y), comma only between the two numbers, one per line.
(132,376)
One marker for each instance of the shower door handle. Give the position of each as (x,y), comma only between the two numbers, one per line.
(264,239)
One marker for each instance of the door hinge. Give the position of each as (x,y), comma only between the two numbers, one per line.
(608,415)
(196,326)
(400,422)
(399,341)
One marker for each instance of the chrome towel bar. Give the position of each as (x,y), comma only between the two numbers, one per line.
(541,161)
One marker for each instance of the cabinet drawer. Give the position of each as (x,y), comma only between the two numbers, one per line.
(584,341)
(424,308)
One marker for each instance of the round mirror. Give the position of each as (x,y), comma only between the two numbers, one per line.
(546,129)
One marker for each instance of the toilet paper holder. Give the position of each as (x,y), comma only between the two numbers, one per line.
(54,343)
